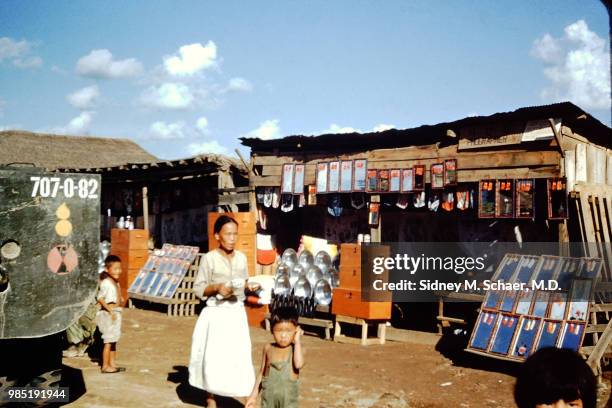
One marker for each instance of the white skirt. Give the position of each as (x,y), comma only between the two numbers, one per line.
(220,360)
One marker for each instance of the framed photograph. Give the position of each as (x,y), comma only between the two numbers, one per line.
(590,268)
(135,286)
(407,180)
(504,198)
(549,334)
(571,335)
(437,175)
(492,299)
(540,303)
(557,199)
(395,177)
(334,177)
(450,172)
(481,336)
(383,181)
(549,267)
(298,179)
(359,174)
(504,333)
(372,181)
(486,203)
(580,296)
(507,267)
(508,300)
(322,170)
(346,176)
(419,177)
(524,344)
(558,304)
(287,178)
(523,303)
(524,195)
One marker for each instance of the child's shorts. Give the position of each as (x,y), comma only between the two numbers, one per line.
(110,329)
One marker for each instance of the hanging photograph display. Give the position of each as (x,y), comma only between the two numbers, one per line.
(346,176)
(372,181)
(383,181)
(504,200)
(334,177)
(287,179)
(524,198)
(407,180)
(359,175)
(322,169)
(450,172)
(527,333)
(482,333)
(557,199)
(549,335)
(506,326)
(395,177)
(486,203)
(437,175)
(571,335)
(419,177)
(298,179)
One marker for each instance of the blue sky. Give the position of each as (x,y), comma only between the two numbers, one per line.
(186,77)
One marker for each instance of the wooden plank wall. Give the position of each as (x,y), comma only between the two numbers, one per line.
(585,163)
(472,165)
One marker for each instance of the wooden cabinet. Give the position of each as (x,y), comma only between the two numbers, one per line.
(247,230)
(131,246)
(347,302)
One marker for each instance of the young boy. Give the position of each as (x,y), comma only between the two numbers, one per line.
(108,317)
(558,378)
(282,361)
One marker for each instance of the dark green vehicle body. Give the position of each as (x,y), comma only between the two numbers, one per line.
(49,237)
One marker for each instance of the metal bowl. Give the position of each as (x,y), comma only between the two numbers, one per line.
(323,257)
(302,288)
(282,285)
(335,277)
(282,269)
(306,259)
(289,257)
(322,292)
(313,275)
(298,270)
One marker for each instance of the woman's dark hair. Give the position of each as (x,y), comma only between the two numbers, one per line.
(284,314)
(553,374)
(221,221)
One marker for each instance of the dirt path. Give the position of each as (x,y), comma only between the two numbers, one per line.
(155,349)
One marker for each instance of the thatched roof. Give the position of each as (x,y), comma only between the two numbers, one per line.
(571,115)
(76,152)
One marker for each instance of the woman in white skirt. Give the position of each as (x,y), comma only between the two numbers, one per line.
(220,360)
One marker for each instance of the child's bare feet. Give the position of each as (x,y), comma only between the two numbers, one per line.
(210,401)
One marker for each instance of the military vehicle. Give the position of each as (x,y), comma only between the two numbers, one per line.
(49,248)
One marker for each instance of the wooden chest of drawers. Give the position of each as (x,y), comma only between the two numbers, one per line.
(347,302)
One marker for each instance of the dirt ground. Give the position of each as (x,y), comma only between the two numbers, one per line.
(155,349)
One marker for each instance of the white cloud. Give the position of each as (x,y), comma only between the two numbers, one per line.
(382,127)
(77,126)
(167,131)
(18,52)
(84,98)
(334,128)
(191,59)
(168,95)
(2,105)
(206,147)
(239,85)
(100,64)
(202,125)
(578,67)
(267,130)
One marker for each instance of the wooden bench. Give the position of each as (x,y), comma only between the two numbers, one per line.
(364,340)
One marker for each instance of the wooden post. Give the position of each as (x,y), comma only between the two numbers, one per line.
(145,207)
(252,173)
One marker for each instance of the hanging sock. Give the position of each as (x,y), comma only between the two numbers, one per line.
(402,201)
(388,200)
(287,203)
(260,195)
(357,200)
(448,203)
(262,218)
(267,200)
(433,203)
(276,196)
(419,200)
(334,205)
(301,200)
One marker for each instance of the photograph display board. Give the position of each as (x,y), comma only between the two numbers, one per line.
(164,270)
(514,324)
